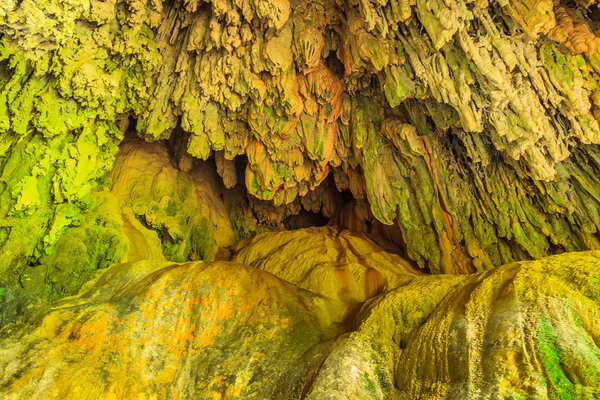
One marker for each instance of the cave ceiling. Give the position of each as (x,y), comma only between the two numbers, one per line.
(472,126)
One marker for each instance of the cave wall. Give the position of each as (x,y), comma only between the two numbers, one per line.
(471,125)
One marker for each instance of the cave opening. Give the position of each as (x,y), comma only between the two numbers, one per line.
(335,65)
(326,205)
(225,198)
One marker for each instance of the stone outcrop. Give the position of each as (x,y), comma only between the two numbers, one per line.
(226,330)
(181,203)
(206,330)
(344,267)
(154,157)
(522,331)
(152,209)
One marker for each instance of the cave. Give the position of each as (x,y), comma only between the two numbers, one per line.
(320,200)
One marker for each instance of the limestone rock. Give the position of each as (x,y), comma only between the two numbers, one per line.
(70,71)
(469,128)
(182,207)
(344,267)
(470,125)
(158,330)
(524,331)
(151,210)
(229,330)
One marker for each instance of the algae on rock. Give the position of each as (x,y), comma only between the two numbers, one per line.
(230,330)
(69,71)
(503,100)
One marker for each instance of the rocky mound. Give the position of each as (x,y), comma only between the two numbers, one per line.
(226,330)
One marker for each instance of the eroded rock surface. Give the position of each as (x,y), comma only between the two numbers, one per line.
(169,331)
(344,267)
(183,206)
(226,330)
(522,331)
(471,125)
(151,209)
(469,128)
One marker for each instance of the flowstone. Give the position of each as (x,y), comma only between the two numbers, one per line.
(227,330)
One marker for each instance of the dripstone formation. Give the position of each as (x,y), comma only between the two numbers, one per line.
(157,158)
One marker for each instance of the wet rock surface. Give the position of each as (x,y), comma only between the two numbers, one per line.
(469,125)
(232,331)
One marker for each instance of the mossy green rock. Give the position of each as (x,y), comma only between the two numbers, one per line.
(14,303)
(169,331)
(471,127)
(228,330)
(504,98)
(522,331)
(182,208)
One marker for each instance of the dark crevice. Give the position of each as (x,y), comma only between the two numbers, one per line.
(335,65)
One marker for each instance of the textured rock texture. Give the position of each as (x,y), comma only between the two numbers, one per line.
(470,125)
(225,330)
(181,205)
(341,266)
(151,210)
(205,330)
(69,70)
(522,331)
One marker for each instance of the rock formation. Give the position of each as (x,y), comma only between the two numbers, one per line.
(470,125)
(151,148)
(225,330)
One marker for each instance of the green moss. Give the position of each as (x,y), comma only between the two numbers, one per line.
(202,240)
(398,86)
(14,303)
(60,138)
(77,246)
(369,385)
(557,382)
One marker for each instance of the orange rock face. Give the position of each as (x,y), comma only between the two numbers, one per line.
(222,331)
(341,320)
